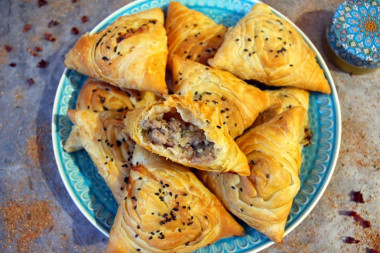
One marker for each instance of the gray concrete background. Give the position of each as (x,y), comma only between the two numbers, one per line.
(36,212)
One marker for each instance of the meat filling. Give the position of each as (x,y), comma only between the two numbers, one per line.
(185,138)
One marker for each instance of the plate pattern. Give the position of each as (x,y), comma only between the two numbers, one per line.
(95,200)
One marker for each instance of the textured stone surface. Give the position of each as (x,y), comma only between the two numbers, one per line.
(37,214)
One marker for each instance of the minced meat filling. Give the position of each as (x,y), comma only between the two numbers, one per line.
(188,139)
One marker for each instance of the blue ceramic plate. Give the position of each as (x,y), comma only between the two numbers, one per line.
(90,193)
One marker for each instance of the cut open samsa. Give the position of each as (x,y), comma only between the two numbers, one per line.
(188,133)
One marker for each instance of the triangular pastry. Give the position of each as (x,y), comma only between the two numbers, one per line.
(130,53)
(267,48)
(191,34)
(165,208)
(263,200)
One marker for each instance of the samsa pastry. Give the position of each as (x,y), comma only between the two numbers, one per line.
(98,96)
(239,102)
(130,53)
(263,200)
(267,48)
(165,208)
(109,147)
(191,34)
(188,133)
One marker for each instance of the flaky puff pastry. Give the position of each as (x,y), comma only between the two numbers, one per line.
(290,97)
(188,133)
(130,53)
(191,34)
(111,149)
(165,208)
(239,102)
(263,200)
(99,96)
(267,48)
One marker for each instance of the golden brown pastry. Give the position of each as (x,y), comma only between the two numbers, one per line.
(130,53)
(188,133)
(191,34)
(290,97)
(167,209)
(263,200)
(267,48)
(99,96)
(109,147)
(239,102)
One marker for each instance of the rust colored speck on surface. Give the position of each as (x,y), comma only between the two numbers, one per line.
(26,28)
(41,3)
(26,220)
(30,81)
(42,64)
(349,239)
(356,197)
(84,19)
(53,23)
(49,37)
(8,48)
(357,218)
(75,30)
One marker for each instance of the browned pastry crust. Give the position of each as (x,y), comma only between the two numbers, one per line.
(290,97)
(267,48)
(98,96)
(263,200)
(191,34)
(130,53)
(102,136)
(188,133)
(239,102)
(165,208)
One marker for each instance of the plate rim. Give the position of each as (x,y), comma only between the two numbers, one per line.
(334,155)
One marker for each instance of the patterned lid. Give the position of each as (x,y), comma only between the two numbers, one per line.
(354,33)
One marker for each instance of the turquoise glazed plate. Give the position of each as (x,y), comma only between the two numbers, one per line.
(90,193)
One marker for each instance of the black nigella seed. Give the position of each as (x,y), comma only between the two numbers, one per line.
(185,194)
(219,127)
(233,187)
(253,162)
(105,58)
